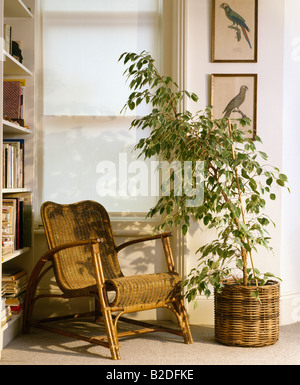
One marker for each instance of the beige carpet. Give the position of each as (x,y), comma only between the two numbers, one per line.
(44,348)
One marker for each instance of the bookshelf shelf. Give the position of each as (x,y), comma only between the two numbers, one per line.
(13,67)
(14,129)
(15,254)
(15,190)
(16,8)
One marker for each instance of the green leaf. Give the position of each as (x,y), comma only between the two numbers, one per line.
(263,221)
(253,185)
(263,155)
(244,174)
(255,294)
(131,105)
(239,263)
(184,229)
(206,220)
(269,181)
(269,274)
(280,182)
(194,97)
(283,177)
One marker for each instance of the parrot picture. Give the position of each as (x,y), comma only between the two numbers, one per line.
(235,103)
(238,21)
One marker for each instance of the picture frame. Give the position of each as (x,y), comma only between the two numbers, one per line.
(234,31)
(235,96)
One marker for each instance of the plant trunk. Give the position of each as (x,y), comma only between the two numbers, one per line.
(244,258)
(244,252)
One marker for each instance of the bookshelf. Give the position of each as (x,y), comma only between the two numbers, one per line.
(13,67)
(11,128)
(18,15)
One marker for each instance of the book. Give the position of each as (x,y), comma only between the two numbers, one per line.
(15,288)
(7,247)
(6,315)
(7,221)
(16,226)
(23,101)
(15,301)
(11,99)
(7,38)
(14,100)
(11,274)
(16,310)
(16,283)
(25,218)
(9,205)
(7,231)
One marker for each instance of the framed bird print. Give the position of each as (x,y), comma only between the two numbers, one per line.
(235,96)
(234,31)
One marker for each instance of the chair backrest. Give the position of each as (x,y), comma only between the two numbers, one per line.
(79,221)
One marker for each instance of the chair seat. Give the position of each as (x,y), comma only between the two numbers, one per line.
(145,289)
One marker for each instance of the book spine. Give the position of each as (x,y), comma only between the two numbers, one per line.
(7,38)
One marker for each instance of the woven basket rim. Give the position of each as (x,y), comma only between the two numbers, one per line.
(270,283)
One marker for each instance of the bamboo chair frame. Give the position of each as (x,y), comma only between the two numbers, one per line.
(100,288)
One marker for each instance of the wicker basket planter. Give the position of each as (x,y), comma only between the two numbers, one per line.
(241,320)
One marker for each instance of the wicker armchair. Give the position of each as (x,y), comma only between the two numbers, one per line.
(83,255)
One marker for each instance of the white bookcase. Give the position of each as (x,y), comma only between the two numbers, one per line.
(19,14)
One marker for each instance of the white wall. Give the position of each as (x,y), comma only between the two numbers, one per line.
(290,261)
(276,125)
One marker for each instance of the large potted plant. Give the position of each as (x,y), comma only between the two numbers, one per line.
(235,183)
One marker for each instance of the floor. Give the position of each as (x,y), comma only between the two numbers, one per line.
(45,348)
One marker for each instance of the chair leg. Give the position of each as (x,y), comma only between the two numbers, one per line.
(28,308)
(27,314)
(111,329)
(184,322)
(30,295)
(112,335)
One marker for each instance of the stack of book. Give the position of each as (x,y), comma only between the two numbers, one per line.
(13,163)
(16,223)
(6,315)
(14,283)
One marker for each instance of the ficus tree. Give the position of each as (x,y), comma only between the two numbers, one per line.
(236,179)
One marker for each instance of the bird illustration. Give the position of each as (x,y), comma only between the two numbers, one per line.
(238,21)
(235,103)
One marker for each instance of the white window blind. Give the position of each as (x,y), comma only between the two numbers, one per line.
(85,139)
(82,43)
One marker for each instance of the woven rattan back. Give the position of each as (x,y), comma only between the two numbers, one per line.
(73,222)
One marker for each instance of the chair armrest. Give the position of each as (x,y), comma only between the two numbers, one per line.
(138,240)
(49,254)
(37,274)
